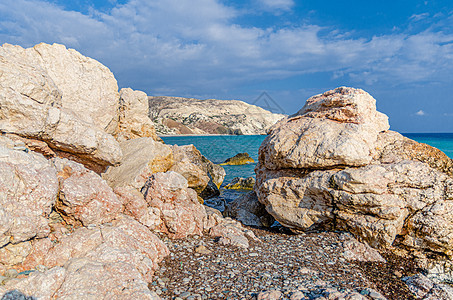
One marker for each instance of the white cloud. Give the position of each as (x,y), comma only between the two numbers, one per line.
(276,5)
(420,113)
(186,47)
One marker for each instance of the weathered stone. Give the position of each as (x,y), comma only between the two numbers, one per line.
(28,191)
(238,159)
(239,183)
(37,284)
(343,132)
(357,251)
(124,240)
(423,288)
(180,211)
(142,157)
(84,196)
(203,176)
(116,280)
(133,116)
(35,106)
(335,165)
(249,211)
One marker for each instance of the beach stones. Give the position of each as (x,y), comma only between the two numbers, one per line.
(335,165)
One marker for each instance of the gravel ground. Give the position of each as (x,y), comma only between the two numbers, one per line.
(309,263)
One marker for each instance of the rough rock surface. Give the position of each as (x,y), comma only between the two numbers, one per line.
(173,115)
(239,183)
(202,175)
(84,196)
(177,205)
(28,191)
(87,88)
(335,165)
(238,159)
(133,116)
(423,288)
(249,211)
(142,157)
(39,102)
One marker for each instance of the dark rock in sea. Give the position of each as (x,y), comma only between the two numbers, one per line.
(239,183)
(238,159)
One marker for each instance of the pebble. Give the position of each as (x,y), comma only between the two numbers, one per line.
(296,266)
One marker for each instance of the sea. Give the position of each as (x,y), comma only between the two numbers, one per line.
(217,148)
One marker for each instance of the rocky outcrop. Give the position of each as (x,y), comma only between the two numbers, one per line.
(173,115)
(175,204)
(84,198)
(202,175)
(238,159)
(335,164)
(133,116)
(142,157)
(28,192)
(72,115)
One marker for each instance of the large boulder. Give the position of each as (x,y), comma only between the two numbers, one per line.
(28,192)
(60,97)
(86,87)
(336,165)
(133,116)
(202,175)
(176,204)
(142,157)
(123,255)
(84,198)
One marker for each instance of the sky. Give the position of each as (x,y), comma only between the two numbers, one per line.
(400,51)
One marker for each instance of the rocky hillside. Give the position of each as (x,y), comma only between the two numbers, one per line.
(175,115)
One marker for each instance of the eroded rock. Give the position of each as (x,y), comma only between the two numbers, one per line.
(335,164)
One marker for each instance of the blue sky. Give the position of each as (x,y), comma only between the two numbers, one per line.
(400,51)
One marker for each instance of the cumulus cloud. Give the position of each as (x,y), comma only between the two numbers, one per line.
(195,47)
(420,113)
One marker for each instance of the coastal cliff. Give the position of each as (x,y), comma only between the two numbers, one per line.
(175,115)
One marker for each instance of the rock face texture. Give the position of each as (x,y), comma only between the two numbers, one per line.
(335,164)
(28,191)
(238,159)
(175,204)
(141,158)
(201,174)
(60,97)
(133,116)
(173,115)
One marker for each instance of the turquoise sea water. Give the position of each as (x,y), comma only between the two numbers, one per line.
(218,148)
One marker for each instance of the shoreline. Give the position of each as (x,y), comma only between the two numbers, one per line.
(195,135)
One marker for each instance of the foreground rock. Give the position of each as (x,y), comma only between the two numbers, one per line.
(335,165)
(173,115)
(73,116)
(249,211)
(142,158)
(202,175)
(238,159)
(176,204)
